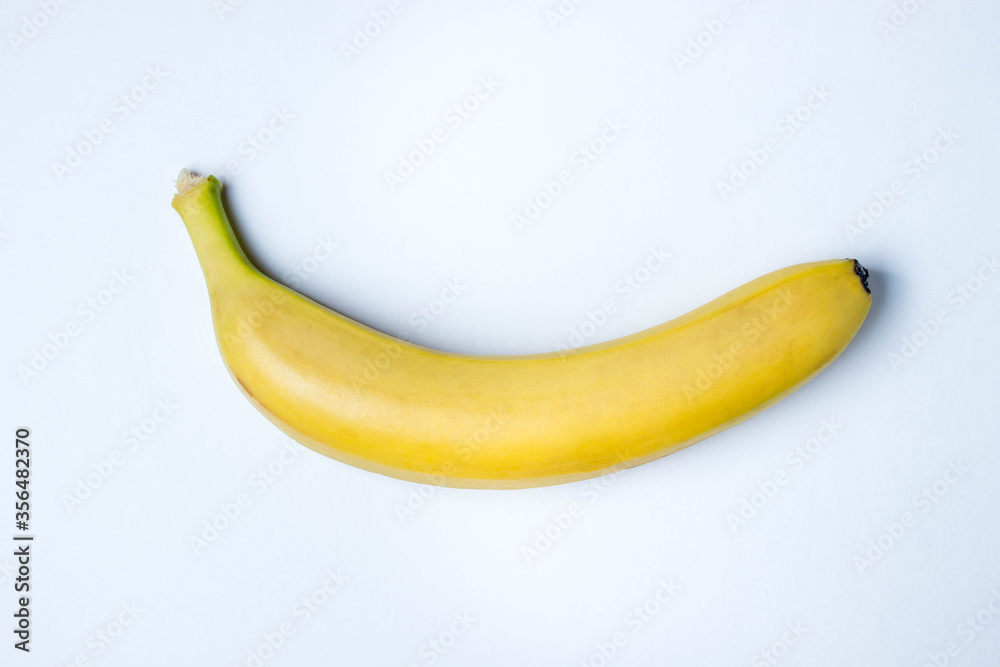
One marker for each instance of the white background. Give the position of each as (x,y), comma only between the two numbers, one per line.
(130,538)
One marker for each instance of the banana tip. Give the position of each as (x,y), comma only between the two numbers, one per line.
(863,274)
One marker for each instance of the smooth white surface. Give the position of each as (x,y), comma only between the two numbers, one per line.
(462,552)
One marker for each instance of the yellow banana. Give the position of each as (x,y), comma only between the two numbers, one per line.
(392,407)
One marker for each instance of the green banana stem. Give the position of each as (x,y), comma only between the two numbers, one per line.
(214,241)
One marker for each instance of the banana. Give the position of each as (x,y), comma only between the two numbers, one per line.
(505,422)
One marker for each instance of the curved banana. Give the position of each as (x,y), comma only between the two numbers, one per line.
(388,406)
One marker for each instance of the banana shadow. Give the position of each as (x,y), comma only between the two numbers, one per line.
(235,223)
(254,258)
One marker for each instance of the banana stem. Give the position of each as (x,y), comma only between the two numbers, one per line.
(199,203)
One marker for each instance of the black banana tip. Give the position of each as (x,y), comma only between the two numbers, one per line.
(863,274)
